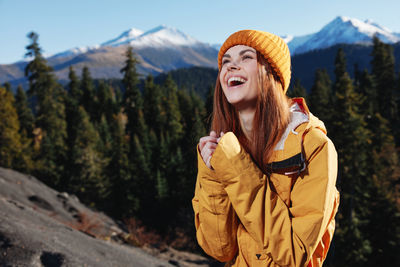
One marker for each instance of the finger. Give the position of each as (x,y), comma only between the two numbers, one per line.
(207,138)
(208,150)
(204,140)
(208,163)
(222,134)
(211,145)
(213,134)
(206,154)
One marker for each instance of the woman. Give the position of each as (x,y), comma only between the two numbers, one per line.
(265,192)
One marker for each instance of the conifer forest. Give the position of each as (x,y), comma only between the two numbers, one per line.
(130,150)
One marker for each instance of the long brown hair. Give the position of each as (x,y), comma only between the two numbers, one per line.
(270,120)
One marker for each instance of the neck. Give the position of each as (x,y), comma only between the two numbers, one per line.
(246,121)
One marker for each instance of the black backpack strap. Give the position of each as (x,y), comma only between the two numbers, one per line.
(296,164)
(292,165)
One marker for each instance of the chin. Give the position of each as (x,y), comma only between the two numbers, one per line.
(233,101)
(234,98)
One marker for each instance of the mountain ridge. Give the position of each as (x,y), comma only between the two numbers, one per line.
(162,49)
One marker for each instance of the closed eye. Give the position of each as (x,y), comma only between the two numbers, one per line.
(225,61)
(247,57)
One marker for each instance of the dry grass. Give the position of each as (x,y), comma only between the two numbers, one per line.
(181,240)
(139,236)
(90,225)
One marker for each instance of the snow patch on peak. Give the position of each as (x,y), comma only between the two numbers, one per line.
(156,29)
(124,38)
(75,51)
(373,23)
(159,36)
(287,38)
(163,36)
(342,18)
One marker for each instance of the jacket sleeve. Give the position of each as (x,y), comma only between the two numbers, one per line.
(288,235)
(215,220)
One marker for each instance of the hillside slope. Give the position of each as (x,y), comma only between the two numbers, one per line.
(42,227)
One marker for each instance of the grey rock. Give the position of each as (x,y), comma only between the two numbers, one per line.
(42,227)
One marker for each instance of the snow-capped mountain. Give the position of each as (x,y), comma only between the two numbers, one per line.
(342,30)
(160,36)
(158,50)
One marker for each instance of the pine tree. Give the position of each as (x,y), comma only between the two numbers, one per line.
(161,202)
(131,80)
(384,74)
(143,185)
(340,65)
(25,115)
(122,203)
(154,114)
(380,188)
(73,119)
(298,90)
(37,70)
(350,138)
(162,187)
(367,89)
(119,99)
(8,87)
(132,99)
(86,174)
(50,132)
(73,101)
(133,106)
(106,104)
(192,109)
(321,97)
(74,89)
(88,92)
(383,230)
(173,127)
(104,128)
(10,140)
(26,120)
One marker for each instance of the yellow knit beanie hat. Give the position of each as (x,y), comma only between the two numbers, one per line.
(271,46)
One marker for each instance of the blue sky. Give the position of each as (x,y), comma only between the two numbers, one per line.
(62,25)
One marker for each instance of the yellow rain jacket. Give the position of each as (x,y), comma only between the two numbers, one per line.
(248,218)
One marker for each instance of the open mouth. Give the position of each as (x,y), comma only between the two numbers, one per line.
(235,81)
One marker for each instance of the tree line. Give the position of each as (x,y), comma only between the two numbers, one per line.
(132,152)
(362,118)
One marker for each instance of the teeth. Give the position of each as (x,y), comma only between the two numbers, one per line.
(236,79)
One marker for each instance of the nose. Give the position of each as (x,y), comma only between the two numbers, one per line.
(233,65)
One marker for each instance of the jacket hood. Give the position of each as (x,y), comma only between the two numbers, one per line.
(299,115)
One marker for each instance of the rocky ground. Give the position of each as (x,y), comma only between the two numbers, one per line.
(42,227)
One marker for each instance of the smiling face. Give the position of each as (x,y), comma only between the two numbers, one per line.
(239,76)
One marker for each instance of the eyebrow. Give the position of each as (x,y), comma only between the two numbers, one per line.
(240,53)
(246,50)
